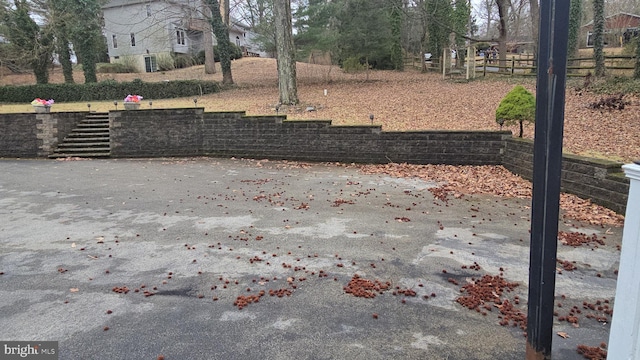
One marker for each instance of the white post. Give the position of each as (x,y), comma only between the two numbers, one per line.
(624,337)
(444,63)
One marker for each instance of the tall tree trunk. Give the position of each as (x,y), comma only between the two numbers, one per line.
(64,56)
(86,35)
(222,36)
(287,85)
(224,11)
(598,41)
(535,24)
(488,7)
(636,72)
(575,17)
(209,58)
(503,8)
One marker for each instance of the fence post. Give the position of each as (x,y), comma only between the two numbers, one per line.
(484,67)
(513,62)
(624,336)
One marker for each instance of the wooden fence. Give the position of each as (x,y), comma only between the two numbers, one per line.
(525,65)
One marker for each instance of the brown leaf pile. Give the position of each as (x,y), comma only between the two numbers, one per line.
(592,352)
(495,180)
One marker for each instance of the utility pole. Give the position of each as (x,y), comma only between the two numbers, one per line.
(547,167)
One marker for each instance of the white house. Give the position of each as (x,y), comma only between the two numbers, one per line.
(142,31)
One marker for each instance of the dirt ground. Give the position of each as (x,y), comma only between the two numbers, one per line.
(399,101)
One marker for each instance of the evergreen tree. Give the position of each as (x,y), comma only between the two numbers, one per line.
(86,33)
(438,25)
(364,33)
(598,41)
(460,21)
(33,44)
(395,19)
(316,28)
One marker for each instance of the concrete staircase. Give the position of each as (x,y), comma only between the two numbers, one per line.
(89,139)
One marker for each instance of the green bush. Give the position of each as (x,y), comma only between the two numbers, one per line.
(165,62)
(353,65)
(114,68)
(107,90)
(182,61)
(518,106)
(199,58)
(129,62)
(236,53)
(617,85)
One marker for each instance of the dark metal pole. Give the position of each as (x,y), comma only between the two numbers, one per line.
(547,165)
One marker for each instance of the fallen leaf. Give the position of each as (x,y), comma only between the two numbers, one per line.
(74,289)
(562,334)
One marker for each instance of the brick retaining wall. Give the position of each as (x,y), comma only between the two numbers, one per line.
(192,132)
(184,132)
(34,135)
(601,181)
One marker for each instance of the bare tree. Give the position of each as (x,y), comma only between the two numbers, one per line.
(287,85)
(503,13)
(252,12)
(485,10)
(534,9)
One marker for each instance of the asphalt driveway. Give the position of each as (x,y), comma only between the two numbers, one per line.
(239,259)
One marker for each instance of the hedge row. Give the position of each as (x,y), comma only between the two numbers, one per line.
(107,90)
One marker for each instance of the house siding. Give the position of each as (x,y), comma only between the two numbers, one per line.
(154,24)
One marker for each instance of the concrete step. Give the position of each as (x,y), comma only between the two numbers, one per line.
(90,138)
(88,129)
(84,144)
(83,138)
(85,155)
(84,149)
(100,124)
(95,121)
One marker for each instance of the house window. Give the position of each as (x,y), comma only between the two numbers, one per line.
(114,39)
(150,64)
(133,39)
(148,10)
(180,37)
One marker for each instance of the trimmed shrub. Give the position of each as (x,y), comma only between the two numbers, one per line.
(107,90)
(165,62)
(182,61)
(236,53)
(518,105)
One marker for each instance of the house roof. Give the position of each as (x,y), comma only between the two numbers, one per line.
(590,23)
